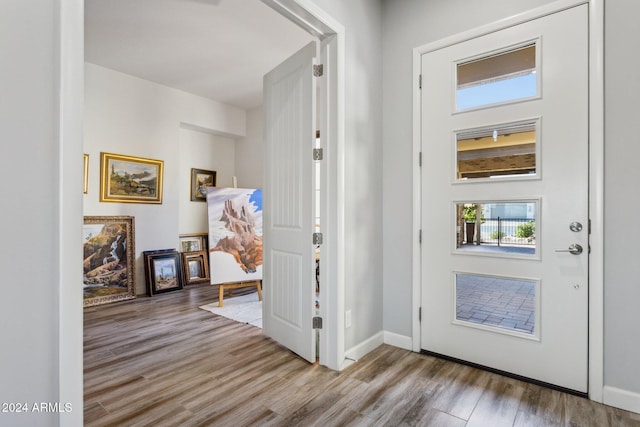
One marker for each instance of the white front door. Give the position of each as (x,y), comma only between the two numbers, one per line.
(289,260)
(505,143)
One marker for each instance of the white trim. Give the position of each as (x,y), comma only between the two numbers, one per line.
(365,347)
(622,399)
(397,340)
(596,200)
(517,19)
(306,15)
(317,22)
(70,57)
(596,170)
(416,270)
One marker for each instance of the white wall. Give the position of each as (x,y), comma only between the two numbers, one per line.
(249,152)
(201,150)
(131,116)
(363,165)
(622,151)
(28,360)
(34,203)
(412,23)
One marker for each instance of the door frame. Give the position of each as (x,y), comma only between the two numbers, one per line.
(330,121)
(596,173)
(69,60)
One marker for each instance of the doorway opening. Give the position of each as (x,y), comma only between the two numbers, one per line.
(329,32)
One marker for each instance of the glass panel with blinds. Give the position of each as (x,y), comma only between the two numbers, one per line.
(497,78)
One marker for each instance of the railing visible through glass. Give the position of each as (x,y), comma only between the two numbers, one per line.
(496,227)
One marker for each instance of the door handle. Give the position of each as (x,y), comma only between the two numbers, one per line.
(574,249)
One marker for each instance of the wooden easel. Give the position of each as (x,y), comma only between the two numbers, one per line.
(236,285)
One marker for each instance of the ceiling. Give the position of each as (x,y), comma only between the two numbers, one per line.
(218,49)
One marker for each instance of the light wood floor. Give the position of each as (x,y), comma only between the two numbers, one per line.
(161,361)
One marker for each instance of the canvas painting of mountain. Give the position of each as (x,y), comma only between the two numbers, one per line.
(235,234)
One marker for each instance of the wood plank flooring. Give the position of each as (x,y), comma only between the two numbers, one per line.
(161,361)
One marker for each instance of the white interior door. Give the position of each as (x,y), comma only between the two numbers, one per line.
(289,260)
(518,301)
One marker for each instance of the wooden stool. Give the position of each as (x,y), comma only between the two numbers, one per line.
(231,286)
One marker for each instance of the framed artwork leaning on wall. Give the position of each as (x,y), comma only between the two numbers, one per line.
(163,271)
(108,259)
(195,267)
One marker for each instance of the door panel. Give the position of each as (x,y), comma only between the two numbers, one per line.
(289,267)
(556,350)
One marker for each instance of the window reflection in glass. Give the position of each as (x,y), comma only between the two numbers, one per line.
(503,151)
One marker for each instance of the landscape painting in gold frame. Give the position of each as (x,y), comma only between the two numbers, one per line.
(128,179)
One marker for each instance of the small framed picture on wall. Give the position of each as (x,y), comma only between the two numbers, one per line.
(201,179)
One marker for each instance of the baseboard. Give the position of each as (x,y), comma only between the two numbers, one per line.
(366,346)
(398,340)
(622,399)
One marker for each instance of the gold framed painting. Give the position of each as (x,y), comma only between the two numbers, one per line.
(128,179)
(201,179)
(108,259)
(85,182)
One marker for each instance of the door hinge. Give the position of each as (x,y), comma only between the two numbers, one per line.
(317,238)
(317,322)
(589,232)
(420,81)
(318,70)
(317,154)
(420,159)
(420,236)
(419,314)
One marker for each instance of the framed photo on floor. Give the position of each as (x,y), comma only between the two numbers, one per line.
(163,271)
(195,267)
(194,242)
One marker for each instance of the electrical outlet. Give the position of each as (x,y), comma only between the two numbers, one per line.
(347,319)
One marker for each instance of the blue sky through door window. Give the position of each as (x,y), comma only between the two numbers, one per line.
(498,77)
(497,91)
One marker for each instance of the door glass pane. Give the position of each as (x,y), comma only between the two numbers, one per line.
(506,76)
(504,151)
(496,228)
(509,304)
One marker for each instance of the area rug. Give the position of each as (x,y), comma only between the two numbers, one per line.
(244,308)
